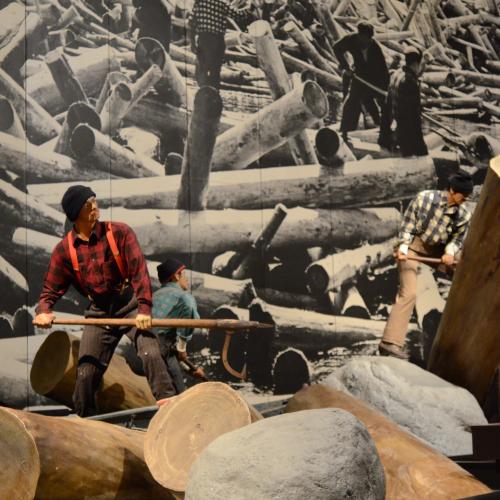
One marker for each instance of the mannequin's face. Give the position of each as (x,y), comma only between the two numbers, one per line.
(455,198)
(182,280)
(89,213)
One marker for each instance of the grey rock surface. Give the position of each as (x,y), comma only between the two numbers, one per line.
(431,408)
(306,455)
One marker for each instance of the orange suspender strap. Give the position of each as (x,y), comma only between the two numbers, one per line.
(74,260)
(114,249)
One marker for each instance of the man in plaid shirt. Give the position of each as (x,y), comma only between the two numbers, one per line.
(208,27)
(95,272)
(434,225)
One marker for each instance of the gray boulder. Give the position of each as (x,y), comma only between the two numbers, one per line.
(311,454)
(431,408)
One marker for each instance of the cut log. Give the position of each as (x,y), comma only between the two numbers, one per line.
(412,468)
(361,183)
(113,78)
(68,85)
(277,77)
(213,408)
(354,306)
(22,322)
(438,78)
(342,268)
(115,108)
(290,371)
(165,231)
(144,83)
(96,149)
(198,150)
(429,308)
(309,331)
(300,301)
(19,458)
(6,331)
(78,112)
(466,350)
(20,208)
(485,79)
(13,16)
(35,164)
(23,44)
(53,374)
(9,120)
(80,458)
(172,87)
(11,279)
(90,69)
(269,128)
(39,125)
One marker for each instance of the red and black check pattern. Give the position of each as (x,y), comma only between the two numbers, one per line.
(210,16)
(99,273)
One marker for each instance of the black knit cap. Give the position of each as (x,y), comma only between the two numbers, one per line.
(461,182)
(73,200)
(168,268)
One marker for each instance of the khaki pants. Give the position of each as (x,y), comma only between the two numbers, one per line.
(399,318)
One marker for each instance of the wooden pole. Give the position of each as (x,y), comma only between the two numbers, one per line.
(53,374)
(164,231)
(172,86)
(339,269)
(39,125)
(80,458)
(69,87)
(466,350)
(90,69)
(360,184)
(9,120)
(96,149)
(19,458)
(272,64)
(412,468)
(213,408)
(198,150)
(269,128)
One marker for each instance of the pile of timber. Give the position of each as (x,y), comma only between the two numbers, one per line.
(306,241)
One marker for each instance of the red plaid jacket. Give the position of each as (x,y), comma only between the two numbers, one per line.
(99,272)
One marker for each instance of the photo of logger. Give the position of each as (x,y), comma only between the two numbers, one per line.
(271,149)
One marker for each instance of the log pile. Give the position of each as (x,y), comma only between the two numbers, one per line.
(66,97)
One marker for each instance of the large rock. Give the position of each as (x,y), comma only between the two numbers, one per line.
(313,454)
(436,411)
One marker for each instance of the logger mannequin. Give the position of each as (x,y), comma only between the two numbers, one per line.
(208,27)
(173,300)
(434,225)
(403,105)
(370,65)
(117,287)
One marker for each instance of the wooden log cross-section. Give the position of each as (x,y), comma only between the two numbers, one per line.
(466,350)
(412,468)
(182,429)
(78,458)
(53,374)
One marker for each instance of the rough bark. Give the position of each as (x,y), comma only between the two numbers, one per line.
(213,408)
(53,374)
(80,458)
(466,350)
(412,469)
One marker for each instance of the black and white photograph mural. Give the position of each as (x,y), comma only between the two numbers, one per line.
(309,165)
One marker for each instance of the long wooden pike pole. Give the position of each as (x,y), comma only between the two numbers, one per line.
(429,260)
(224,324)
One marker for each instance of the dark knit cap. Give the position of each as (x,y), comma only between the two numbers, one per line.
(461,182)
(168,268)
(73,200)
(365,28)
